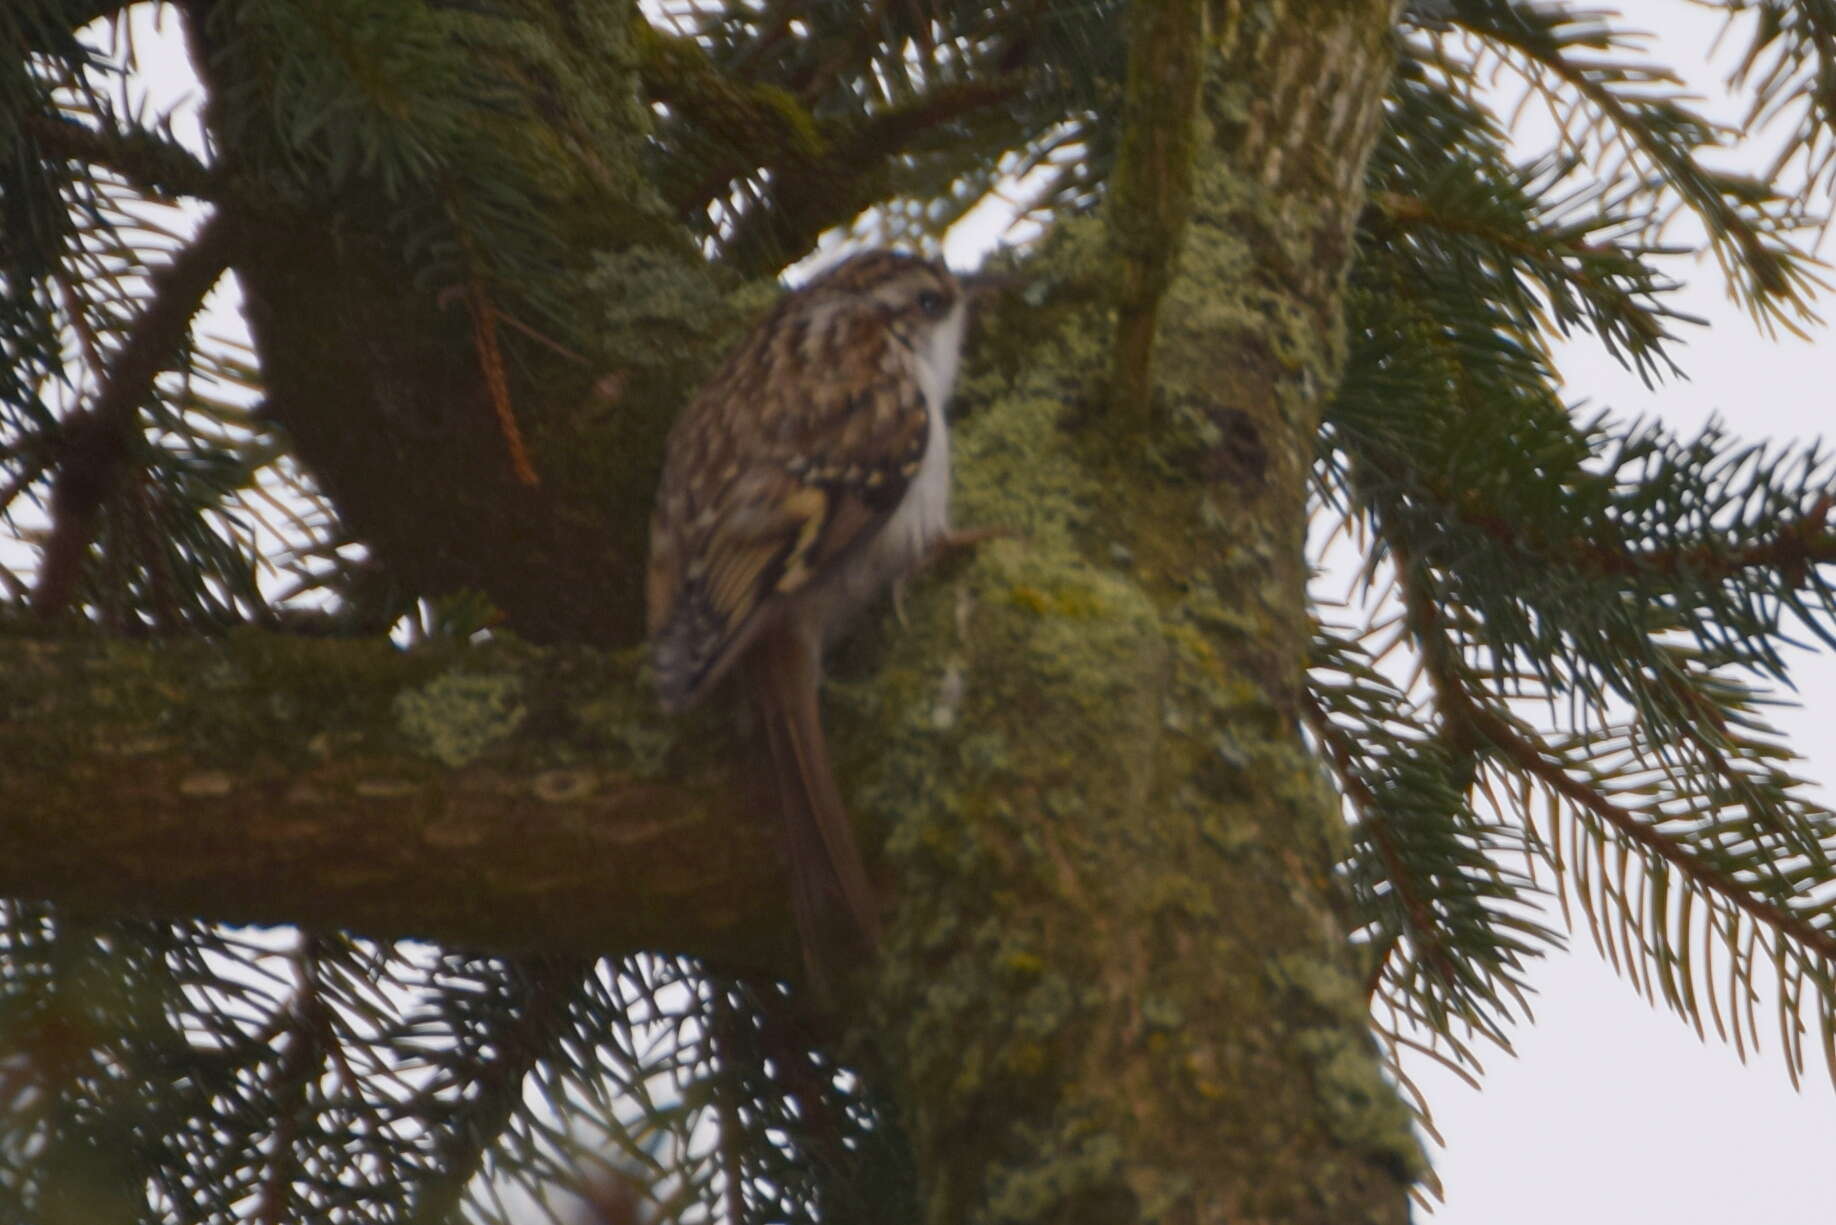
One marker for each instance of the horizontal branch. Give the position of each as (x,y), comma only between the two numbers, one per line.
(1797,544)
(1794,547)
(502,798)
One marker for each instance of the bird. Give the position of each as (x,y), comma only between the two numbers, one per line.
(809,473)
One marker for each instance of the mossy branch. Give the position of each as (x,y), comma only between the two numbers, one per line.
(503,798)
(1151,190)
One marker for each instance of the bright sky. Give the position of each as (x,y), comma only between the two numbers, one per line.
(1612,1112)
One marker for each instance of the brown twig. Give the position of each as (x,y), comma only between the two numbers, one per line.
(95,440)
(1534,759)
(147,161)
(491,364)
(490,353)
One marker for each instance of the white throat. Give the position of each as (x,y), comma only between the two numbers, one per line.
(924,515)
(937,357)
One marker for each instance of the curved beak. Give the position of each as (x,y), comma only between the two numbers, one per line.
(979,285)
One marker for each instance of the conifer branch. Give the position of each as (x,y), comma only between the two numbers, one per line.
(1541,763)
(1789,63)
(145,159)
(824,171)
(545,988)
(306,1031)
(1797,544)
(1525,752)
(96,440)
(1608,277)
(1772,275)
(1342,754)
(853,169)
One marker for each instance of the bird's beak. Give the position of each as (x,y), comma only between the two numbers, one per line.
(979,285)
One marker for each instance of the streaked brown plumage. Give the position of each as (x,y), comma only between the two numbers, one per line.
(810,471)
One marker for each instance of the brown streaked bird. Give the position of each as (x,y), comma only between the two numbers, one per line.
(812,470)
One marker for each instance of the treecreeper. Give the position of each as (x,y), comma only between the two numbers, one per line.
(808,474)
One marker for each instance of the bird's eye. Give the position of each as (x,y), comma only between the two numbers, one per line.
(931,303)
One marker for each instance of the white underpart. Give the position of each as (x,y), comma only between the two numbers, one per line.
(924,514)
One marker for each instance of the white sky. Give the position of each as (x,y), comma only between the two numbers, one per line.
(1613,1112)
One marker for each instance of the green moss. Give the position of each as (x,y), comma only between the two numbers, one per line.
(645,738)
(1007,480)
(1358,1105)
(250,695)
(255,701)
(1118,794)
(457,716)
(794,122)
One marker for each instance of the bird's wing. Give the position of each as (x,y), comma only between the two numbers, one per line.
(790,459)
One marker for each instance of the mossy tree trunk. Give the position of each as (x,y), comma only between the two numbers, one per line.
(1117,989)
(1114,988)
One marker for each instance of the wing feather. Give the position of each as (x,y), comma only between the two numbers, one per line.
(788,461)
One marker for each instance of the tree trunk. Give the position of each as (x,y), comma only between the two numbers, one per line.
(1116,989)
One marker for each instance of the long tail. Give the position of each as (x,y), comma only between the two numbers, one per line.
(834,903)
